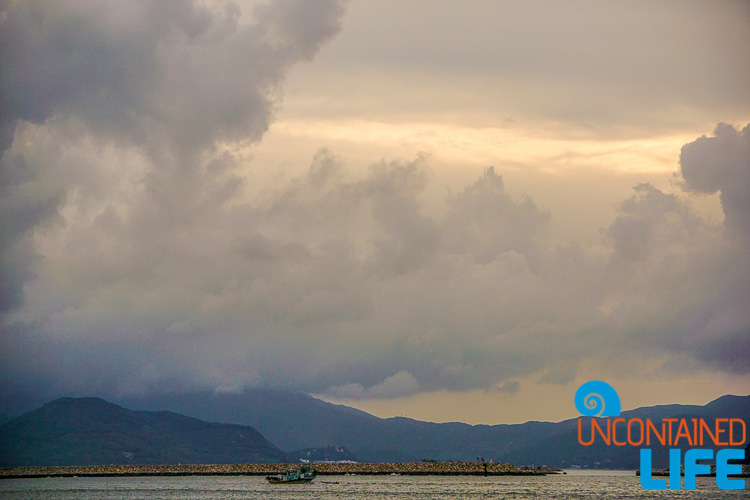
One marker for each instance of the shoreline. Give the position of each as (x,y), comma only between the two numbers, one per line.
(323,469)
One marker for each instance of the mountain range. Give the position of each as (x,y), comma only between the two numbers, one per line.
(294,420)
(90,430)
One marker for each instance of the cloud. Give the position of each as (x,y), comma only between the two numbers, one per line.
(679,283)
(145,266)
(24,204)
(397,385)
(115,119)
(168,79)
(484,220)
(649,223)
(722,163)
(347,284)
(511,387)
(602,69)
(180,74)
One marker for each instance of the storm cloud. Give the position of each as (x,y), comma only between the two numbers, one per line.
(722,163)
(163,81)
(135,261)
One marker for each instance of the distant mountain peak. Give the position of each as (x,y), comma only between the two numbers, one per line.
(86,401)
(92,431)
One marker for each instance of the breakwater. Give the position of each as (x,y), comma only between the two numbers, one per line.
(413,468)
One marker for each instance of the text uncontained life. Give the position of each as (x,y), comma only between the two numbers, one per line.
(675,432)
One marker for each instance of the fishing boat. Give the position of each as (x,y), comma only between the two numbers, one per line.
(301,475)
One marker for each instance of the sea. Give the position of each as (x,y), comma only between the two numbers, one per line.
(573,485)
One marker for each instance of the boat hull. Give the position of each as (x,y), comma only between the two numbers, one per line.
(297,480)
(294,476)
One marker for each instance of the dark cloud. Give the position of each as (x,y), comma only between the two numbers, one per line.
(731,352)
(678,282)
(170,78)
(157,73)
(650,224)
(722,163)
(23,205)
(113,116)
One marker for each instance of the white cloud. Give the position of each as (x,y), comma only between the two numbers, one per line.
(397,385)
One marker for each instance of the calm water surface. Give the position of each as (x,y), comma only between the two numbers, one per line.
(599,485)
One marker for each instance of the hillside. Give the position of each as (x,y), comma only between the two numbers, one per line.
(91,431)
(563,449)
(297,421)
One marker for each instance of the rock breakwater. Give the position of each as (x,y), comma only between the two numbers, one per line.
(414,468)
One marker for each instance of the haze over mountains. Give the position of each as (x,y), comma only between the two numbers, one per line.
(257,425)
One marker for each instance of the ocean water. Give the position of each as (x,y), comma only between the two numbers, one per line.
(589,485)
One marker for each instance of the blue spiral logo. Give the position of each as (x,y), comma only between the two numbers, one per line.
(597,399)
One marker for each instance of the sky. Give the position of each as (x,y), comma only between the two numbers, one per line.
(451,211)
